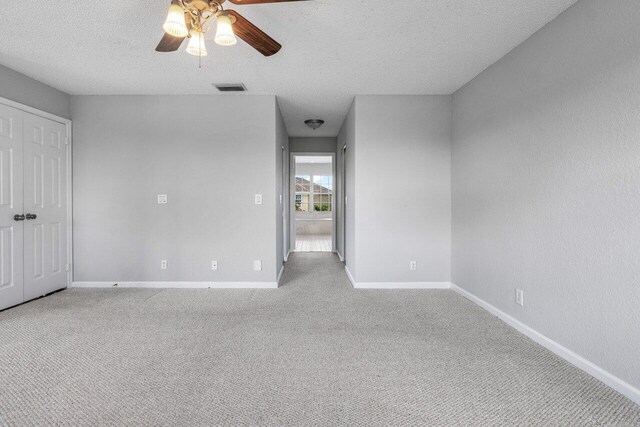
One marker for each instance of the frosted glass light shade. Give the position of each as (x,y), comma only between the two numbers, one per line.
(175,24)
(224,31)
(196,44)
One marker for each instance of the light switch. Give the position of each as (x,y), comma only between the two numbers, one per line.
(258,199)
(162,199)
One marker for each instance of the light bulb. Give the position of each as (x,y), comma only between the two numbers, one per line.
(224,32)
(175,24)
(196,44)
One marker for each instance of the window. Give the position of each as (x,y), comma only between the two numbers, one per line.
(322,192)
(303,193)
(314,193)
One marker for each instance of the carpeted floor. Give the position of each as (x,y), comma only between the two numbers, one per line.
(314,352)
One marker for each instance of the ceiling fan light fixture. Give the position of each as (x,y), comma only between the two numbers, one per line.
(224,31)
(175,24)
(196,44)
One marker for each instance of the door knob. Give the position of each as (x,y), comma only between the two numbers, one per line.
(31,216)
(18,217)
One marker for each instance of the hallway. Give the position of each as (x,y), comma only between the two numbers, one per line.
(314,352)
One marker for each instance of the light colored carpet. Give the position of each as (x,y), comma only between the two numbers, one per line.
(314,351)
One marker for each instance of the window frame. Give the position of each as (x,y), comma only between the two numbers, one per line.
(315,199)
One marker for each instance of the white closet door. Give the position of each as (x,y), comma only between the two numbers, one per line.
(11,284)
(45,206)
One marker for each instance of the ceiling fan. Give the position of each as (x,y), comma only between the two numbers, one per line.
(193,18)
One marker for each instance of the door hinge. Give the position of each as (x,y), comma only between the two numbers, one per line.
(68,267)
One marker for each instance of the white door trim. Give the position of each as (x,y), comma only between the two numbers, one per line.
(342,205)
(292,196)
(68,125)
(285,194)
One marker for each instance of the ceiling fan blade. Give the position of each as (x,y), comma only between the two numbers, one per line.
(253,35)
(169,43)
(239,2)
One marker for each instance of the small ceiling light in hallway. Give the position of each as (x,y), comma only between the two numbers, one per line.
(314,123)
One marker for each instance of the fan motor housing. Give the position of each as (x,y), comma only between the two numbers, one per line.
(204,4)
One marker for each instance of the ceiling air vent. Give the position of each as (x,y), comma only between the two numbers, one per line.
(231,87)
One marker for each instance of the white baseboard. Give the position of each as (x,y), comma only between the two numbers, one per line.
(178,285)
(350,276)
(279,276)
(286,258)
(402,285)
(578,361)
(340,256)
(396,285)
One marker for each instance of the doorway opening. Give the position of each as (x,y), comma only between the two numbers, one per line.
(313,203)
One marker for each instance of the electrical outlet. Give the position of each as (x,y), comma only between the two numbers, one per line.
(520,297)
(162,199)
(413,266)
(257,265)
(214,265)
(163,264)
(258,199)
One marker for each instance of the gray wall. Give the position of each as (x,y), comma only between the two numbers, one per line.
(546,183)
(128,149)
(25,90)
(314,169)
(345,230)
(313,145)
(282,188)
(403,188)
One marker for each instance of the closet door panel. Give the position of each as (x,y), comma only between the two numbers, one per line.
(11,231)
(45,197)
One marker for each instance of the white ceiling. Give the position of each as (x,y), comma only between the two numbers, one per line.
(333,49)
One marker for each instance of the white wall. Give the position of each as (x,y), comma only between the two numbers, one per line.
(546,183)
(25,90)
(403,188)
(128,149)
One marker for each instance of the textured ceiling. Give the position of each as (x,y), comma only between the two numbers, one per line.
(333,49)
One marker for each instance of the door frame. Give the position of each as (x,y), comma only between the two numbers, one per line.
(342,204)
(69,127)
(285,204)
(292,196)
